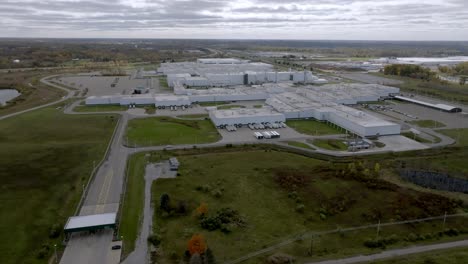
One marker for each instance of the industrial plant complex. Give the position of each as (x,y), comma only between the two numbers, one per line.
(287,95)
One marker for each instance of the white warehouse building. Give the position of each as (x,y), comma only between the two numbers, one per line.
(244,116)
(360,123)
(171,100)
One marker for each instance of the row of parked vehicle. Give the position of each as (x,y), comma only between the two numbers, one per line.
(254,126)
(266,134)
(231,128)
(267,125)
(173,107)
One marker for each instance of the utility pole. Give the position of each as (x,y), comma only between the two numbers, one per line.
(309,253)
(445,218)
(378,229)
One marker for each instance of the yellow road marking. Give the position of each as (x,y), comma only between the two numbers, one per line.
(104,193)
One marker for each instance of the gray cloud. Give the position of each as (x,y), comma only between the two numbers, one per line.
(298,19)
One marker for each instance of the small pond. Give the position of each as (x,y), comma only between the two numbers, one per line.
(8,95)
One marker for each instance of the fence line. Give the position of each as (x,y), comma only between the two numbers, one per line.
(312,234)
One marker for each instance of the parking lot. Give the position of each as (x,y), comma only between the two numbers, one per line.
(245,134)
(109,85)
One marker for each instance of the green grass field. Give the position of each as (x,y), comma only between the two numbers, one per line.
(46,158)
(460,135)
(427,123)
(133,203)
(225,107)
(330,144)
(273,207)
(313,127)
(194,116)
(163,83)
(299,144)
(100,108)
(450,256)
(415,137)
(213,103)
(170,131)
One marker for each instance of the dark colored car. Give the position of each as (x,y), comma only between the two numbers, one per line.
(116,247)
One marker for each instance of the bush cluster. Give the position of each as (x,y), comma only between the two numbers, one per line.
(224,219)
(169,208)
(216,191)
(155,239)
(381,242)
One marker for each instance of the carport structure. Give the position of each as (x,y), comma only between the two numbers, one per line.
(90,223)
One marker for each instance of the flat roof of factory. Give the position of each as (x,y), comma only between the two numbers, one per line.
(243,112)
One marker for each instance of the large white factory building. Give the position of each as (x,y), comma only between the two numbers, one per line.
(283,100)
(230,72)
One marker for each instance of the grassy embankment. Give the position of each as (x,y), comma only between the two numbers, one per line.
(415,137)
(427,123)
(313,127)
(47,156)
(330,144)
(460,135)
(170,131)
(193,116)
(100,108)
(299,144)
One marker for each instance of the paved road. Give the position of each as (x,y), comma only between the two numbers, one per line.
(395,253)
(43,80)
(103,196)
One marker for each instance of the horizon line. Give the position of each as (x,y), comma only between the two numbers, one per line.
(225,39)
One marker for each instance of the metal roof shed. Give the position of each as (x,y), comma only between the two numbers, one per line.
(90,222)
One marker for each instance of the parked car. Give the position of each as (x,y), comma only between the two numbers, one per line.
(116,247)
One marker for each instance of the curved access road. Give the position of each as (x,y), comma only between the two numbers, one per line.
(46,82)
(394,253)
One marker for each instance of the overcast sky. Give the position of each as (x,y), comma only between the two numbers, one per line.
(244,19)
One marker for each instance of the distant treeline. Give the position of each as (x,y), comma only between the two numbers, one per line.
(409,70)
(459,69)
(56,53)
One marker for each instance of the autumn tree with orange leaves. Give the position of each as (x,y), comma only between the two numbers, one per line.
(202,209)
(197,244)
